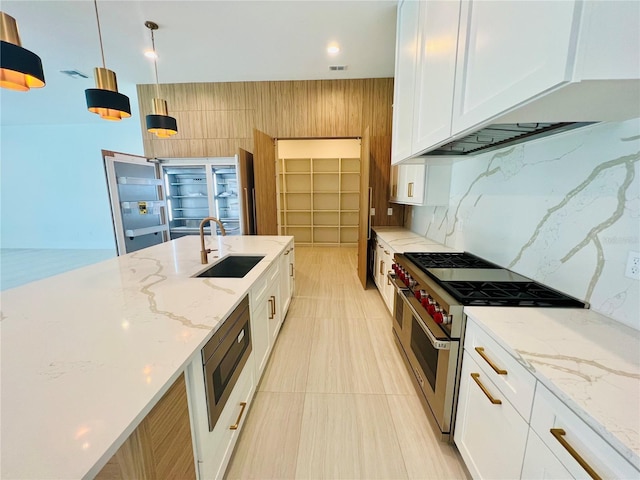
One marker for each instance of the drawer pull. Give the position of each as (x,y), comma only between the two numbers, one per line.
(291,269)
(235,425)
(410,189)
(387,253)
(476,378)
(558,434)
(381,267)
(499,371)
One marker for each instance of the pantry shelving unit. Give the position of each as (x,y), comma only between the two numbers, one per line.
(319,200)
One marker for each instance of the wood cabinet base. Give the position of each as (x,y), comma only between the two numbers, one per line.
(161,446)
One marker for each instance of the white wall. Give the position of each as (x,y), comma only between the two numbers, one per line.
(53,190)
(564,210)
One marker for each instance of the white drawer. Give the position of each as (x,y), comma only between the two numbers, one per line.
(517,384)
(551,413)
(261,286)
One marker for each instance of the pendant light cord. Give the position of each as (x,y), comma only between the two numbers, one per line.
(95,4)
(155,63)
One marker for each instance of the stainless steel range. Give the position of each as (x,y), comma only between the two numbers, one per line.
(429,322)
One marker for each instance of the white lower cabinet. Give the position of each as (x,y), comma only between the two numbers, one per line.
(581,450)
(265,316)
(541,437)
(287,279)
(217,447)
(383,262)
(540,462)
(490,436)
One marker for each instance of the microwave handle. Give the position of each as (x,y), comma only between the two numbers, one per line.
(437,344)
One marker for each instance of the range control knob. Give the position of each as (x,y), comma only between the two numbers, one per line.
(418,294)
(438,317)
(432,309)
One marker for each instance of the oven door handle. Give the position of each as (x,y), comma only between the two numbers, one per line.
(397,287)
(436,343)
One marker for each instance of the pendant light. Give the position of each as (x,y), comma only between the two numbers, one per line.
(159,122)
(104,100)
(20,69)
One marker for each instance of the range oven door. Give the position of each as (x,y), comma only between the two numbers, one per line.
(400,328)
(223,357)
(433,357)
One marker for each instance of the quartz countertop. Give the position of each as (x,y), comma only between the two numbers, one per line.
(590,362)
(87,354)
(403,240)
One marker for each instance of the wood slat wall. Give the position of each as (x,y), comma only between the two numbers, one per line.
(215,119)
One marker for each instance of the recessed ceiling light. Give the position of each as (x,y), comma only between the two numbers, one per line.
(333,49)
(150,54)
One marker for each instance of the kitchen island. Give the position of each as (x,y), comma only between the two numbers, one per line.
(87,354)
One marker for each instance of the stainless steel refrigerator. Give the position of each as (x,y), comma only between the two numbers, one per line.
(153,201)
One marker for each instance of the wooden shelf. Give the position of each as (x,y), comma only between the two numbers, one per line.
(319,199)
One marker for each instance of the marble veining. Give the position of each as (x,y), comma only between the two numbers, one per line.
(589,361)
(86,354)
(563,210)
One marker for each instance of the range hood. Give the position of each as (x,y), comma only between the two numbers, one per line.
(501,135)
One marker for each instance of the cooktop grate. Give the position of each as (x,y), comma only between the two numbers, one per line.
(447,260)
(516,294)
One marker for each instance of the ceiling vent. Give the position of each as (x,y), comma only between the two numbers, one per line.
(337,68)
(74,74)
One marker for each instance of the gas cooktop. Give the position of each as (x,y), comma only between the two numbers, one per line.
(448,260)
(473,281)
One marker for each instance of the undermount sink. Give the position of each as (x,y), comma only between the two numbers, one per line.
(232,266)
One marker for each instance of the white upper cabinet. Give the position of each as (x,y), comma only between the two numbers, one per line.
(509,53)
(404,83)
(464,64)
(435,72)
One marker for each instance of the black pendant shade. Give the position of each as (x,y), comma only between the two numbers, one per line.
(162,126)
(105,100)
(109,105)
(20,69)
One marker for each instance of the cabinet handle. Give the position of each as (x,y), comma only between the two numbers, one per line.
(381,267)
(410,189)
(558,434)
(270,308)
(235,425)
(389,278)
(499,371)
(476,378)
(291,269)
(386,252)
(273,306)
(287,252)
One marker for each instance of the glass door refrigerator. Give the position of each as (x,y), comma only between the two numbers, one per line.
(195,192)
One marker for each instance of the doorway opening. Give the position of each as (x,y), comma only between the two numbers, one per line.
(318,189)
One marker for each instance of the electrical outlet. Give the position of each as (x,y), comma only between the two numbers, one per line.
(389,211)
(372,212)
(633,266)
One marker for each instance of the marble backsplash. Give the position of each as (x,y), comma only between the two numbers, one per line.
(564,210)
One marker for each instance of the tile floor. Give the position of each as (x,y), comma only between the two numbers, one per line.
(336,401)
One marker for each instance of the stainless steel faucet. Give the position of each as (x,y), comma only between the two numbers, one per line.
(205,251)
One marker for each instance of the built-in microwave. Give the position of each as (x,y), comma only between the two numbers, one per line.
(223,358)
